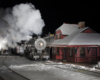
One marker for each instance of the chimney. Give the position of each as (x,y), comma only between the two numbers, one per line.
(81,24)
(63,22)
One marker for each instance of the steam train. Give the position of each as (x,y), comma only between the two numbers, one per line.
(34,49)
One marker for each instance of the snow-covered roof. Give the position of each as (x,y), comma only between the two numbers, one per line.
(86,39)
(67,29)
(78,38)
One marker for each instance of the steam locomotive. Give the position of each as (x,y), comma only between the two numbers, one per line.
(34,49)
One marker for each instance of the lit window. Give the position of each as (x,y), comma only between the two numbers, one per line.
(82,51)
(58,36)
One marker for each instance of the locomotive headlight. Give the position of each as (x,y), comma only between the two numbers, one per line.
(41,44)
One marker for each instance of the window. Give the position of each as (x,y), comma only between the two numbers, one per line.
(71,52)
(82,51)
(58,50)
(53,50)
(58,36)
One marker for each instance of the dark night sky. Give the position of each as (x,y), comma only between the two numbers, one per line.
(54,13)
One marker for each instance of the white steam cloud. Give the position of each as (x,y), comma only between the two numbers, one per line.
(19,23)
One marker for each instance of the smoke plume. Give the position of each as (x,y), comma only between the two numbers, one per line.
(18,23)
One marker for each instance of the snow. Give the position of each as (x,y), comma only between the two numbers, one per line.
(40,70)
(78,38)
(86,39)
(67,29)
(66,40)
(35,67)
(51,65)
(99,64)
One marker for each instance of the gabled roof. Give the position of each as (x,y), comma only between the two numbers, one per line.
(91,30)
(78,38)
(67,29)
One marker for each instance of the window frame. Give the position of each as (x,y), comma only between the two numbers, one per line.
(84,52)
(58,34)
(53,50)
(58,51)
(71,52)
(99,50)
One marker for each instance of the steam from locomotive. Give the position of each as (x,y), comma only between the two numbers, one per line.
(18,23)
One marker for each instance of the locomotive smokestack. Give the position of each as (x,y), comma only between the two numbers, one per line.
(39,36)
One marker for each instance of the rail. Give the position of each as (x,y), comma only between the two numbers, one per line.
(12,71)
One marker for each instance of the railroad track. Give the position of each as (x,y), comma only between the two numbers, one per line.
(15,74)
(88,72)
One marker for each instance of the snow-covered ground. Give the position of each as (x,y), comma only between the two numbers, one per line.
(50,70)
(50,64)
(73,66)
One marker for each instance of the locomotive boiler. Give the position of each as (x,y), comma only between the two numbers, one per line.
(36,49)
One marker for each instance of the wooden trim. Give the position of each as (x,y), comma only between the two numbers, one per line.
(79,57)
(66,49)
(99,50)
(57,49)
(88,49)
(73,46)
(61,49)
(57,45)
(82,46)
(76,57)
(75,49)
(84,52)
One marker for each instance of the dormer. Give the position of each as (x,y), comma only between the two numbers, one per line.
(65,29)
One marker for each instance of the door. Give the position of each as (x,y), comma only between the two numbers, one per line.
(64,53)
(94,54)
(50,53)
